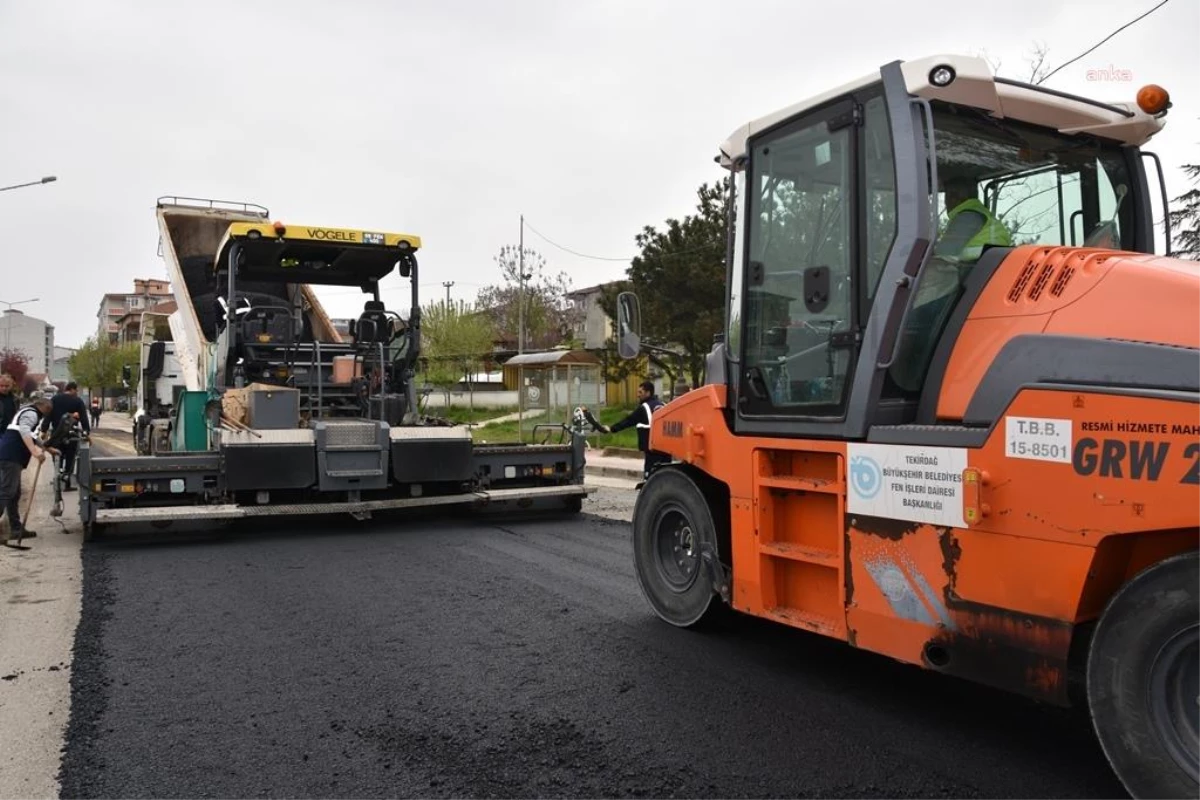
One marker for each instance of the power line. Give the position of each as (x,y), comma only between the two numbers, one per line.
(389,288)
(1102,41)
(572,252)
(604,258)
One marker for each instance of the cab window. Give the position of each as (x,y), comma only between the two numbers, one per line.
(1002,184)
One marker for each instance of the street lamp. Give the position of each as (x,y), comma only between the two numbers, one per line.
(47,179)
(8,320)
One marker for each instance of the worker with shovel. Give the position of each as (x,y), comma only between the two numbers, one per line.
(17,445)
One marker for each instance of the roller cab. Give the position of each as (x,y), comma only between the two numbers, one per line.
(954,414)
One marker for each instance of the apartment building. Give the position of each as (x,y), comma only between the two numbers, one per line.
(32,336)
(591,326)
(119,317)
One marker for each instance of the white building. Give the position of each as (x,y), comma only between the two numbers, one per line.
(60,371)
(32,336)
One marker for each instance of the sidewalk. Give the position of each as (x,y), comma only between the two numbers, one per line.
(39,611)
(529,413)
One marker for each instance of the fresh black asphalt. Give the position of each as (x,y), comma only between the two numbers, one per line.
(492,658)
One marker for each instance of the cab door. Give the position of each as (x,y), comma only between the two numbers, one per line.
(812,315)
(825,253)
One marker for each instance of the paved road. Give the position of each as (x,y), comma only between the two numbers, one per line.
(501,659)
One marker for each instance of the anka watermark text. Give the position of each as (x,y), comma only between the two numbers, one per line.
(1110,73)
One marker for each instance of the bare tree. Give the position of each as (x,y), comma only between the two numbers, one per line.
(1038,70)
(1036,61)
(993,62)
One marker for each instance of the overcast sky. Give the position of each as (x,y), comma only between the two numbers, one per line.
(450,119)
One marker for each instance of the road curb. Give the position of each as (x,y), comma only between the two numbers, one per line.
(633,473)
(621,452)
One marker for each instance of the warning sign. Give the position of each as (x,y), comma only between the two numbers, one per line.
(920,484)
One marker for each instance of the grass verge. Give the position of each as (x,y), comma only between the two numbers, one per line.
(507,431)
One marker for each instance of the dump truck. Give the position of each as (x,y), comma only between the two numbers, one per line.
(251,403)
(953,416)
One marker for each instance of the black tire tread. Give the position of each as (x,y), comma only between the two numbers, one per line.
(671,483)
(1158,601)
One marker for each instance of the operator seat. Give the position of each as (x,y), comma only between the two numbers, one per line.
(267,321)
(374,326)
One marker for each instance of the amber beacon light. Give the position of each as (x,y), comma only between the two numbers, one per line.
(1153,99)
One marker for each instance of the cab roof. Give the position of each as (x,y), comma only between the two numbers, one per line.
(975,85)
(313,254)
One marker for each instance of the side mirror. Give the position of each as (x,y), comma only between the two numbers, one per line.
(351,327)
(405,265)
(629,325)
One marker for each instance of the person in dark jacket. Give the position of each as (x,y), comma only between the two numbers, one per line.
(8,400)
(18,444)
(67,402)
(641,417)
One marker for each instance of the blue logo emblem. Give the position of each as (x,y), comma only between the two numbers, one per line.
(865,477)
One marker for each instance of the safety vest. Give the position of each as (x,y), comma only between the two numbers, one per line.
(12,443)
(643,428)
(650,406)
(960,238)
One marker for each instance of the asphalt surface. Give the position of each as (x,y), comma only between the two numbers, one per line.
(494,658)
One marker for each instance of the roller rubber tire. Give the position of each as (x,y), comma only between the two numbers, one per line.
(671,520)
(1142,679)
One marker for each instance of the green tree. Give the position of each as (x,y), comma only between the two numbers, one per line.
(548,312)
(455,341)
(1185,218)
(98,365)
(679,278)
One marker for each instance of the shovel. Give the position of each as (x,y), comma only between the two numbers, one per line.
(28,512)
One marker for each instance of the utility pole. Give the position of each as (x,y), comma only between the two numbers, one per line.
(447,284)
(521,290)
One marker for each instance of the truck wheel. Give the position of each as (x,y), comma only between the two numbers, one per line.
(671,522)
(1143,680)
